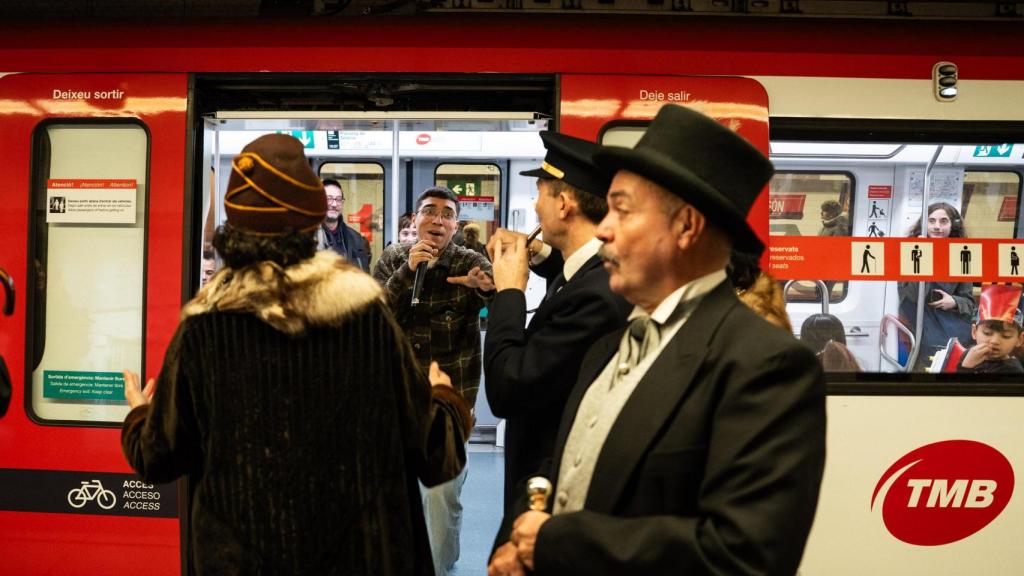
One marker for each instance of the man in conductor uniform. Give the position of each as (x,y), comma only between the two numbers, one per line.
(694,441)
(530,370)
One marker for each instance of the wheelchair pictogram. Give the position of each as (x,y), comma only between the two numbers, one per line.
(92,490)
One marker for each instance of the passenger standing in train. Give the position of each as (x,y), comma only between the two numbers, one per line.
(694,442)
(407,233)
(531,369)
(471,240)
(444,327)
(949,306)
(337,235)
(291,399)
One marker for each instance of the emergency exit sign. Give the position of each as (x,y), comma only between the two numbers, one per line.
(993,151)
(304,136)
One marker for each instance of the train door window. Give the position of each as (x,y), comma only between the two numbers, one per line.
(479,189)
(88,236)
(811,204)
(991,201)
(362,186)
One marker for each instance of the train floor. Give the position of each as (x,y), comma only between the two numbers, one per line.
(481,508)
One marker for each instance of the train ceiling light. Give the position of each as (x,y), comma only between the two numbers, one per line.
(944,80)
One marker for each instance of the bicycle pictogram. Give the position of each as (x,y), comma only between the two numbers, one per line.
(92,490)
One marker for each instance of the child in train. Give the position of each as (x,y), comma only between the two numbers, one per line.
(996,332)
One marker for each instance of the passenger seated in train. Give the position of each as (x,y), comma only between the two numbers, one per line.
(949,306)
(997,333)
(833,221)
(826,337)
(291,398)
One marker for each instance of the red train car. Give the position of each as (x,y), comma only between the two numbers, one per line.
(130,119)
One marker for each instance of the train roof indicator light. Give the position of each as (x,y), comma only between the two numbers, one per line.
(944,80)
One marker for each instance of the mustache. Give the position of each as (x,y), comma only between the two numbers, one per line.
(607,256)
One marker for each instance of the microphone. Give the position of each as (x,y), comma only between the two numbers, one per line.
(417,284)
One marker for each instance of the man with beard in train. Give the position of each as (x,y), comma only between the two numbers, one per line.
(694,441)
(449,285)
(531,369)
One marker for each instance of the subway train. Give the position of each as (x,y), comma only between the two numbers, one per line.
(117,141)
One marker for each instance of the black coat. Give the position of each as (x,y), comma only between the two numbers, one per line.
(714,464)
(293,401)
(530,371)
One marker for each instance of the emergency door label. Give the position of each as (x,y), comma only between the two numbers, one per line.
(75,385)
(90,201)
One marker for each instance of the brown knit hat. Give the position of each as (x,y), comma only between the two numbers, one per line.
(273,190)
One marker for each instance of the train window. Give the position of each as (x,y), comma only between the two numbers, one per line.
(88,234)
(479,189)
(362,186)
(991,202)
(811,204)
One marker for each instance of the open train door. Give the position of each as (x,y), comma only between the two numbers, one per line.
(615,110)
(92,215)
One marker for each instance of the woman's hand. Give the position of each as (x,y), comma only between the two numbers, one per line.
(944,303)
(438,377)
(134,393)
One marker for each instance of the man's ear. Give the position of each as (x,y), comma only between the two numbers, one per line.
(566,204)
(688,226)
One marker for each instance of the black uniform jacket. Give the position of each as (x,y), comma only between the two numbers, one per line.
(530,371)
(714,464)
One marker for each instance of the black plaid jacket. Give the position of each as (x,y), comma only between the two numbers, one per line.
(445,326)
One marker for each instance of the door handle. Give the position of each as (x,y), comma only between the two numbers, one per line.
(5,387)
(8,283)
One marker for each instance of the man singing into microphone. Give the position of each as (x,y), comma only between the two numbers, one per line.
(450,284)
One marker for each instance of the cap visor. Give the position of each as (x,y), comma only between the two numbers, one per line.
(536,173)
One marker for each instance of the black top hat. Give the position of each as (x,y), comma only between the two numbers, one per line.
(572,161)
(702,162)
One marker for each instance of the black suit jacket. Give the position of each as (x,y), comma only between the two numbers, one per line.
(714,464)
(530,371)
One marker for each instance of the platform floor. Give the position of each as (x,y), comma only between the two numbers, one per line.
(481,508)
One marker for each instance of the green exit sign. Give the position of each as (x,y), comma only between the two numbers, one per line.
(993,151)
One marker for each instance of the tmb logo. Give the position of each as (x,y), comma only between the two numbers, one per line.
(423,139)
(944,492)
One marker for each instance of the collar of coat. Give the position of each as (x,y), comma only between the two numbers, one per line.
(319,291)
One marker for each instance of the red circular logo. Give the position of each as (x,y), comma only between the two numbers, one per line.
(423,139)
(944,492)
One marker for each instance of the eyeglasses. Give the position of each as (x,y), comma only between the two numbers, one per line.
(335,200)
(433,212)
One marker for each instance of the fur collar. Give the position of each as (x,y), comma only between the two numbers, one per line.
(765,298)
(320,291)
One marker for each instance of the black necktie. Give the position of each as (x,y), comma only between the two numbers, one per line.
(556,284)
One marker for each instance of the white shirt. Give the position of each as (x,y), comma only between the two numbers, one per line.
(603,401)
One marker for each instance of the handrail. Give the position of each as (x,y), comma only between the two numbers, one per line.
(820,285)
(883,332)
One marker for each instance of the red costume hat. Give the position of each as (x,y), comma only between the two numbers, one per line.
(1000,302)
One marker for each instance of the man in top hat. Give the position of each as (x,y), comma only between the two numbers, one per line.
(531,369)
(694,441)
